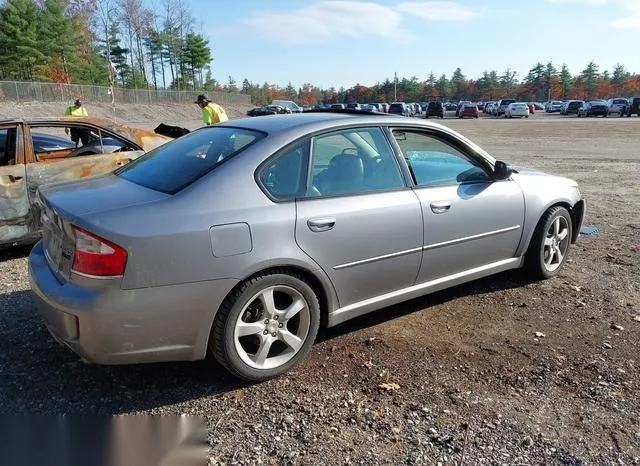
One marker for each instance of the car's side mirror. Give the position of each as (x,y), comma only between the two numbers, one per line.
(502,171)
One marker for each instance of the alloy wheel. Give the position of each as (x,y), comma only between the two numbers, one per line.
(556,243)
(272,327)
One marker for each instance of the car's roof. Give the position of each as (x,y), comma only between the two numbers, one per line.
(317,120)
(297,124)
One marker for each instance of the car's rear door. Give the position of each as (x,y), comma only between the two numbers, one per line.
(14,197)
(359,221)
(470,221)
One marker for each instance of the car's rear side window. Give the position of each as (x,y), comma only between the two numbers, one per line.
(175,165)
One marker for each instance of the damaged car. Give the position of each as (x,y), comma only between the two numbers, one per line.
(34,152)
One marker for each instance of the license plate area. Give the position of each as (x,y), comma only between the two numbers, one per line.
(59,250)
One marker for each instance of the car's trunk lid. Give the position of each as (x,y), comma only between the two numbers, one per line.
(65,204)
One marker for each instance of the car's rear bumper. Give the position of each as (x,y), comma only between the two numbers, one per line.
(109,325)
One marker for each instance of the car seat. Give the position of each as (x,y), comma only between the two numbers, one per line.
(345,174)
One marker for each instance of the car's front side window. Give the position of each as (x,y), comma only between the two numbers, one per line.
(434,162)
(353,161)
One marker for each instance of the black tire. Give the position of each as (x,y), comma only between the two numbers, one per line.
(221,340)
(534,259)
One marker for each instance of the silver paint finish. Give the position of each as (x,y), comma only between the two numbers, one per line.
(483,214)
(231,239)
(364,251)
(366,226)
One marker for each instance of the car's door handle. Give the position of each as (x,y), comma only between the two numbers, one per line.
(11,178)
(440,207)
(321,224)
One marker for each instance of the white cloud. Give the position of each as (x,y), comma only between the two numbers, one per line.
(632,17)
(438,11)
(327,20)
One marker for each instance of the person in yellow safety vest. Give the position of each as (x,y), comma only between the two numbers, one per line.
(211,113)
(76,109)
(77,134)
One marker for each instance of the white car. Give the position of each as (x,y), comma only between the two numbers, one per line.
(517,109)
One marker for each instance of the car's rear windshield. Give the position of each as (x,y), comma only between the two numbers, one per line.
(395,107)
(507,101)
(175,165)
(620,101)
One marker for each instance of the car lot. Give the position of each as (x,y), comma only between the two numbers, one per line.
(466,372)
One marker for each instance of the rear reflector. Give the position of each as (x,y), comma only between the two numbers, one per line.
(96,256)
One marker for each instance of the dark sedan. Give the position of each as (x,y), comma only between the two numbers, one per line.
(435,109)
(594,108)
(572,107)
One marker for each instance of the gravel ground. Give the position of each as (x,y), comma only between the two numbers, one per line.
(499,371)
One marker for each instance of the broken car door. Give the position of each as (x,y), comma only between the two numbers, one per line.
(14,201)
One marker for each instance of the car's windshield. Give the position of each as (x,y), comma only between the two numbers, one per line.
(175,165)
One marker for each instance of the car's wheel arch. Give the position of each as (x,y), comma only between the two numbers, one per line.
(316,278)
(576,211)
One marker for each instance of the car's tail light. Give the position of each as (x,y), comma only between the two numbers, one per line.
(96,256)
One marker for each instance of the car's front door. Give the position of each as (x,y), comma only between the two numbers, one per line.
(359,221)
(14,199)
(470,221)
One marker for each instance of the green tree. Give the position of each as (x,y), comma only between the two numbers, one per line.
(508,80)
(457,83)
(590,78)
(550,77)
(118,54)
(620,77)
(153,45)
(431,80)
(535,81)
(566,81)
(291,91)
(59,38)
(20,46)
(197,55)
(443,86)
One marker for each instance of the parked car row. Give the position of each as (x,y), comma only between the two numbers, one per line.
(598,107)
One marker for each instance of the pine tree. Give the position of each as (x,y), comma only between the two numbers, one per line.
(535,80)
(20,46)
(565,80)
(59,39)
(196,55)
(590,79)
(620,77)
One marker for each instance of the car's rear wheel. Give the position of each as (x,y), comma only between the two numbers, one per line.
(549,246)
(266,326)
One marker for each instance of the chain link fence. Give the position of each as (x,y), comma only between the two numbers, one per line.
(22,92)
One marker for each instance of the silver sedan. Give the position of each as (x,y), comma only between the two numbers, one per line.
(243,238)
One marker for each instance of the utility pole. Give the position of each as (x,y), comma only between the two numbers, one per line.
(395,86)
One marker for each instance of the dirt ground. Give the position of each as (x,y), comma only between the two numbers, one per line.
(499,371)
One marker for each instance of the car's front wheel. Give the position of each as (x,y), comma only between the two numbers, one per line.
(266,326)
(549,246)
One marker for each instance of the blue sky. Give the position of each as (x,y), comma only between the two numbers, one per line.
(342,42)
